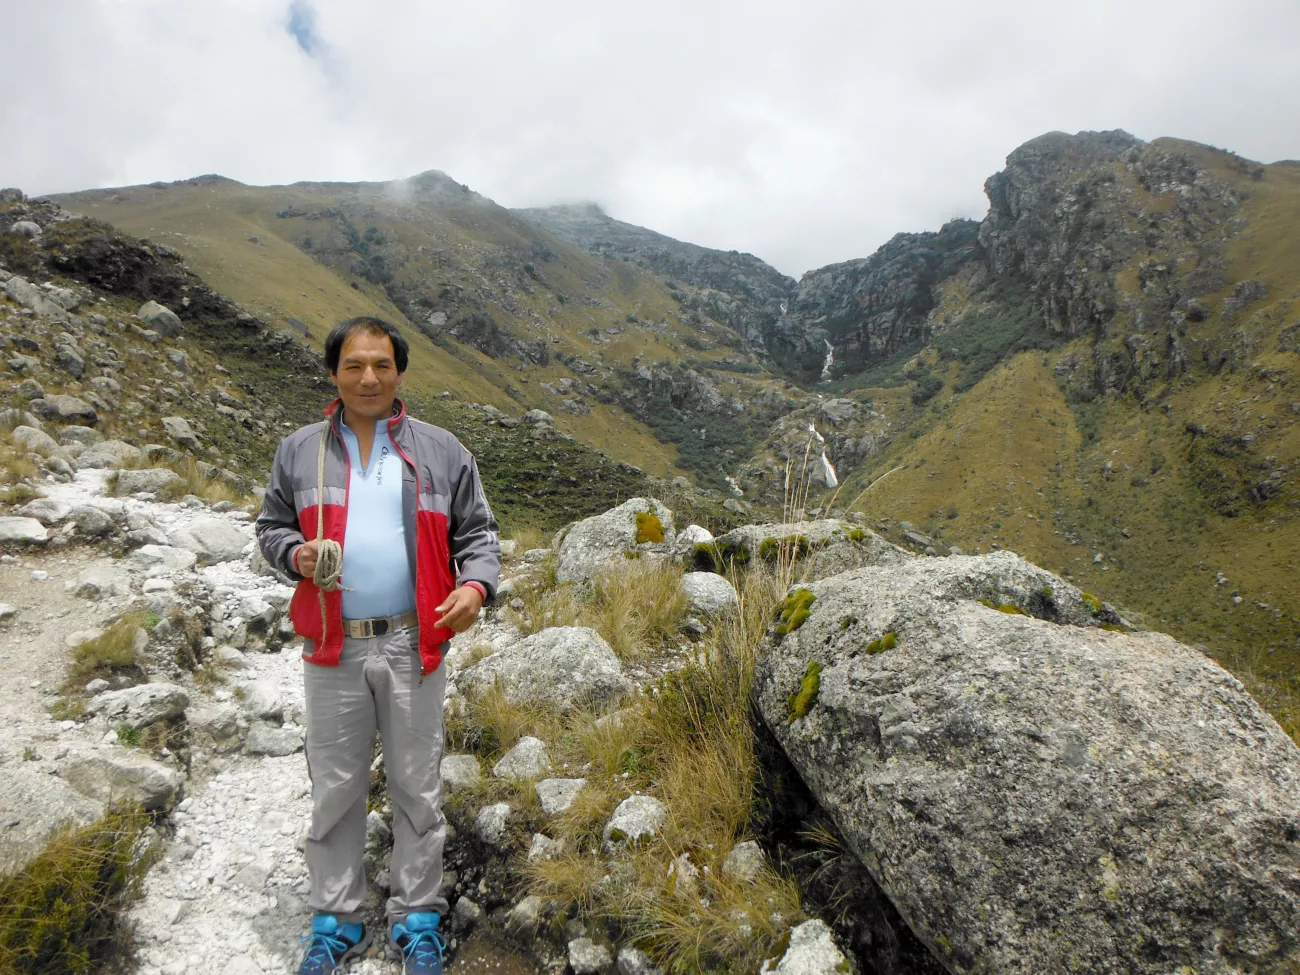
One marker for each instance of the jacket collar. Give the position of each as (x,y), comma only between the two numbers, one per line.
(396,422)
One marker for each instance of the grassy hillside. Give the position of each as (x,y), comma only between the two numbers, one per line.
(497,311)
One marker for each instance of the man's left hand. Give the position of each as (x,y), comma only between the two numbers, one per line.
(460,609)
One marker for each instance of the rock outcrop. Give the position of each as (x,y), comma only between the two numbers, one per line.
(1034,795)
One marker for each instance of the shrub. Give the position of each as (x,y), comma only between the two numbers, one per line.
(113,650)
(59,915)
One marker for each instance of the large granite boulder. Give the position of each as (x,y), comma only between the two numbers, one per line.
(562,667)
(160,318)
(1035,795)
(153,480)
(110,453)
(816,549)
(34,805)
(27,531)
(640,525)
(212,539)
(121,775)
(142,705)
(64,409)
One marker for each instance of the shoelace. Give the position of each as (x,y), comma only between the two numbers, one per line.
(420,947)
(323,944)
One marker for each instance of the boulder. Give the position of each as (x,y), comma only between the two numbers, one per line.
(29,296)
(153,480)
(103,582)
(25,228)
(686,540)
(817,548)
(11,417)
(634,961)
(563,667)
(266,739)
(121,774)
(544,848)
(48,511)
(811,951)
(34,440)
(638,525)
(260,700)
(142,705)
(459,772)
(27,531)
(91,520)
(557,795)
(709,593)
(82,435)
(162,559)
(212,539)
(64,409)
(179,429)
(160,319)
(745,861)
(490,823)
(109,454)
(588,958)
(637,818)
(528,759)
(34,805)
(1032,794)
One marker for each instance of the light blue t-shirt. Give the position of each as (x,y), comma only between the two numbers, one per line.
(376,575)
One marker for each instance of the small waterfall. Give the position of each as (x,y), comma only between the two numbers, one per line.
(830,358)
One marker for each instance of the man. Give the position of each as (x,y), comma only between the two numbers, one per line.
(404,500)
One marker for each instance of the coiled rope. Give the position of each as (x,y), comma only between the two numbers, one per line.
(329,553)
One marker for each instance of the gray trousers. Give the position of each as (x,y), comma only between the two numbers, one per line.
(376,686)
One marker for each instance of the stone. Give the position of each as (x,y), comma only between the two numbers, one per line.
(260,700)
(634,961)
(109,454)
(527,759)
(34,805)
(710,594)
(525,916)
(82,435)
(220,722)
(65,409)
(121,774)
(28,389)
(557,795)
(459,772)
(563,667)
(212,539)
(538,416)
(636,818)
(24,531)
(685,541)
(490,823)
(7,611)
(25,228)
(544,848)
(230,658)
(96,686)
(812,951)
(266,739)
(179,429)
(11,417)
(591,545)
(465,916)
(34,440)
(68,359)
(103,582)
(818,548)
(988,763)
(24,365)
(140,706)
(30,296)
(589,958)
(152,480)
(745,861)
(162,559)
(91,520)
(160,319)
(48,511)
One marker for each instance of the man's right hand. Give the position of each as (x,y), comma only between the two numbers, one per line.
(305,558)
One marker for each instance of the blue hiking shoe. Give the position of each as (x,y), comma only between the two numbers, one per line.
(420,943)
(329,944)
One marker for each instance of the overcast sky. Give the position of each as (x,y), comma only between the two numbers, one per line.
(805,132)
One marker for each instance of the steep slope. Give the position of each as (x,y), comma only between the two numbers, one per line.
(497,310)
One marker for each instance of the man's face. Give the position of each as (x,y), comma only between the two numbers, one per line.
(367,379)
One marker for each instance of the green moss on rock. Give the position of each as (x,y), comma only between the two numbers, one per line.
(802,700)
(794,547)
(1010,608)
(880,644)
(1090,601)
(649,528)
(795,610)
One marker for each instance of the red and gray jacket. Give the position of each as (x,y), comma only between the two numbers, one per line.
(448,524)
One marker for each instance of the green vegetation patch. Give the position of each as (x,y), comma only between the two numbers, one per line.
(1090,601)
(802,700)
(793,547)
(886,641)
(1010,608)
(113,650)
(649,528)
(59,915)
(795,610)
(983,338)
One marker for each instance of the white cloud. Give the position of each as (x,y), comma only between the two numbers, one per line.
(804,133)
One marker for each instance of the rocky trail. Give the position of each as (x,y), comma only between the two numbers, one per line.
(227,894)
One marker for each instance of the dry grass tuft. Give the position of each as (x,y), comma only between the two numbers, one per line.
(113,650)
(59,915)
(638,607)
(528,537)
(491,724)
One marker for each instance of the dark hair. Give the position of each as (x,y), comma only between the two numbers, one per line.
(371,326)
